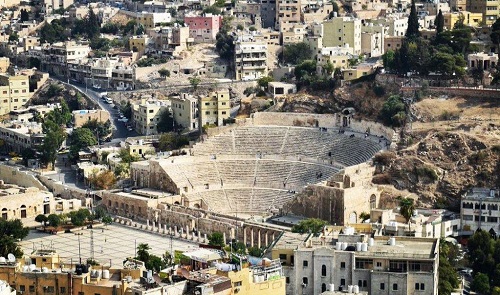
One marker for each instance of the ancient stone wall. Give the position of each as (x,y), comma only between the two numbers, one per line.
(15,175)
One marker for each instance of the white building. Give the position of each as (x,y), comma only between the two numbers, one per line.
(250,60)
(479,208)
(185,111)
(355,263)
(147,114)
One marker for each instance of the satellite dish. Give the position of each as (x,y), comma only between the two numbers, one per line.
(11,257)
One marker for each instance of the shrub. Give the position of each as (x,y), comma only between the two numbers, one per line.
(478,158)
(379,90)
(448,115)
(496,149)
(425,171)
(383,178)
(384,158)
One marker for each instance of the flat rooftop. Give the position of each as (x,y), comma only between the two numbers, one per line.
(290,240)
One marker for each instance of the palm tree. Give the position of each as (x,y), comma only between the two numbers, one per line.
(143,252)
(406,208)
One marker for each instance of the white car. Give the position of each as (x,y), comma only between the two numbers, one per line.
(124,120)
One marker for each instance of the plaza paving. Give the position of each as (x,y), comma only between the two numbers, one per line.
(111,245)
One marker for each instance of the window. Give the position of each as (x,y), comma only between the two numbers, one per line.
(394,287)
(420,286)
(150,111)
(382,286)
(50,289)
(342,282)
(22,288)
(207,113)
(305,280)
(223,112)
(379,264)
(323,287)
(282,256)
(287,280)
(305,263)
(223,103)
(323,270)
(237,284)
(32,289)
(342,265)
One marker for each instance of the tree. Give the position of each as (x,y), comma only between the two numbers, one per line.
(172,11)
(239,27)
(107,220)
(297,53)
(224,45)
(14,37)
(110,28)
(310,225)
(172,141)
(92,25)
(306,69)
(448,277)
(255,251)
(102,179)
(126,156)
(364,216)
(100,129)
(143,252)
(155,263)
(167,259)
(481,283)
(54,220)
(328,68)
(406,208)
(412,32)
(164,73)
(25,16)
(495,33)
(166,123)
(129,27)
(216,239)
(51,144)
(194,81)
(263,82)
(80,139)
(393,111)
(79,217)
(480,248)
(335,6)
(126,109)
(439,22)
(212,9)
(11,231)
(41,218)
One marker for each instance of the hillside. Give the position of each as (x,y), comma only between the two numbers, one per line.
(454,143)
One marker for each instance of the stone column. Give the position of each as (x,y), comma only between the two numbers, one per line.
(205,239)
(266,237)
(175,231)
(224,237)
(232,234)
(199,236)
(147,223)
(245,236)
(258,239)
(153,227)
(164,228)
(251,237)
(187,231)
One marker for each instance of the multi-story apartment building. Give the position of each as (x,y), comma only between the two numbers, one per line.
(489,8)
(185,111)
(458,5)
(147,114)
(4,64)
(122,77)
(288,13)
(355,263)
(268,13)
(395,26)
(480,209)
(14,92)
(343,32)
(338,56)
(171,40)
(153,19)
(55,57)
(214,108)
(18,136)
(250,60)
(203,28)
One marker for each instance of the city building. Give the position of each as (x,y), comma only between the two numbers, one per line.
(122,77)
(20,202)
(214,108)
(147,113)
(469,19)
(279,89)
(288,13)
(80,117)
(21,135)
(250,60)
(488,8)
(14,92)
(5,289)
(342,32)
(4,64)
(356,263)
(153,19)
(479,209)
(171,40)
(185,111)
(139,43)
(203,28)
(483,61)
(55,57)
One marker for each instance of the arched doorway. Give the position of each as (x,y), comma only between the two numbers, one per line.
(353,217)
(4,213)
(23,211)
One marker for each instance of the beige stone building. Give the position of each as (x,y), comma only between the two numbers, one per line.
(342,32)
(80,117)
(250,60)
(147,114)
(4,64)
(288,13)
(14,92)
(185,111)
(20,202)
(21,135)
(214,108)
(488,8)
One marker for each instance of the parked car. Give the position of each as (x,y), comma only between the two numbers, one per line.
(124,120)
